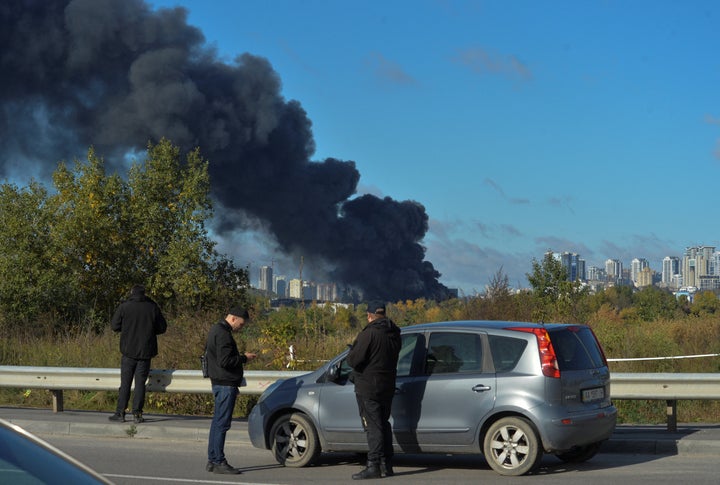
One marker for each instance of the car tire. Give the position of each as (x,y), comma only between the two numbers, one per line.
(294,440)
(579,454)
(512,446)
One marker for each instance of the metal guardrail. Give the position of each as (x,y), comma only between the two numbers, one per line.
(59,379)
(670,387)
(673,386)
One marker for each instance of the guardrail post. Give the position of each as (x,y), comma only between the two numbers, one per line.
(672,415)
(58,405)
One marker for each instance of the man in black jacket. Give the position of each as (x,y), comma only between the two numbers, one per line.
(373,357)
(225,367)
(139,321)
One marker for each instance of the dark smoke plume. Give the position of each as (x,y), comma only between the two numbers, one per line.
(115,74)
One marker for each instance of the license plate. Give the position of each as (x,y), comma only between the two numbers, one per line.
(593,394)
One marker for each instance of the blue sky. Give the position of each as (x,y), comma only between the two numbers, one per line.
(591,127)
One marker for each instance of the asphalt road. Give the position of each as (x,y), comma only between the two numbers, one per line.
(172,449)
(155,462)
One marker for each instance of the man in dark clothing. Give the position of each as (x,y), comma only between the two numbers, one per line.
(225,367)
(139,321)
(373,357)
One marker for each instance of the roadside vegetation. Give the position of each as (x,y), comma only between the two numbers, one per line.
(70,254)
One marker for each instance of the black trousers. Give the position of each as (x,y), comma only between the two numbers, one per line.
(129,369)
(375,415)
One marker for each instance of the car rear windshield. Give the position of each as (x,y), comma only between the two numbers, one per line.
(576,348)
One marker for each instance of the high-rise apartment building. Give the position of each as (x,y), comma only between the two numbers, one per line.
(595,273)
(670,268)
(614,270)
(296,288)
(326,292)
(636,266)
(280,286)
(644,277)
(266,278)
(715,264)
(574,266)
(695,264)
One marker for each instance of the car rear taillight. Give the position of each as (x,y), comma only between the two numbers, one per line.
(548,359)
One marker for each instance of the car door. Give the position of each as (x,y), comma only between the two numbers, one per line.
(441,407)
(338,411)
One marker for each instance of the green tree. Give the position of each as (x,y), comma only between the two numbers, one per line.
(556,297)
(169,205)
(30,282)
(74,254)
(616,298)
(228,284)
(653,303)
(499,296)
(90,230)
(705,303)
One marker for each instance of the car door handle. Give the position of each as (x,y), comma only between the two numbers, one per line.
(481,388)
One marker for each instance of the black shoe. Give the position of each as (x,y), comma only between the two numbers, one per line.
(225,469)
(118,417)
(371,471)
(386,469)
(210,466)
(138,418)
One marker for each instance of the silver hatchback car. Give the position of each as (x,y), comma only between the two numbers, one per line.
(509,390)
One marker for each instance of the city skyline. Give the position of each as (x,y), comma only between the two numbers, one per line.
(638,272)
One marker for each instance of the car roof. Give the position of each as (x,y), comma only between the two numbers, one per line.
(481,324)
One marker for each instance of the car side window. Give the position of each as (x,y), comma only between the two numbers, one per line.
(506,352)
(451,352)
(408,350)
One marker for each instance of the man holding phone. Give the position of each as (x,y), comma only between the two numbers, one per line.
(225,367)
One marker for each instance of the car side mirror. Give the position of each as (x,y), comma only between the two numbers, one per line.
(333,373)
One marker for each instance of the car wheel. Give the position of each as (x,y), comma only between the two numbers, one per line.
(512,446)
(294,440)
(579,454)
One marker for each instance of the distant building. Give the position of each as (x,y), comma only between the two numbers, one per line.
(308,290)
(614,271)
(670,271)
(595,273)
(637,265)
(295,290)
(280,286)
(644,277)
(574,266)
(696,263)
(686,291)
(266,278)
(708,283)
(326,292)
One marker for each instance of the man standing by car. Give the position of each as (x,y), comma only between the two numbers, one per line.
(225,367)
(139,321)
(373,357)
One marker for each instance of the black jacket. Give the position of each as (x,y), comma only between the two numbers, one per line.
(225,362)
(374,357)
(139,321)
